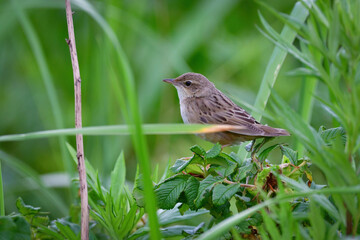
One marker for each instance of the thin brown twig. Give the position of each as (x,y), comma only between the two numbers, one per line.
(78,124)
(241,184)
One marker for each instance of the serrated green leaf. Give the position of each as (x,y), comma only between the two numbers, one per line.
(231,158)
(217,161)
(169,191)
(26,209)
(204,187)
(222,194)
(213,152)
(198,150)
(264,154)
(191,191)
(243,172)
(224,171)
(331,134)
(181,164)
(291,154)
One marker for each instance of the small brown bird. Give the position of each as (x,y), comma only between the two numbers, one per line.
(202,102)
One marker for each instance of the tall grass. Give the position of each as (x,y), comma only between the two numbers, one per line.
(120,81)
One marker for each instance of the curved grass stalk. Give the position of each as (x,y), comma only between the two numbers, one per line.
(300,13)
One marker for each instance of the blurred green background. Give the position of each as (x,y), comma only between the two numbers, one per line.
(162,39)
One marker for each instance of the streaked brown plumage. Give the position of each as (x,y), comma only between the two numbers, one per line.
(202,102)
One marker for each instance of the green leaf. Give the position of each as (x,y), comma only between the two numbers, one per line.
(191,191)
(169,191)
(15,227)
(138,191)
(244,171)
(231,158)
(118,179)
(198,229)
(176,230)
(213,152)
(181,164)
(264,154)
(128,222)
(289,153)
(26,209)
(222,194)
(198,150)
(66,230)
(184,207)
(204,189)
(224,171)
(173,216)
(270,225)
(329,135)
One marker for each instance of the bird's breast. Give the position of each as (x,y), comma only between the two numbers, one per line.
(184,112)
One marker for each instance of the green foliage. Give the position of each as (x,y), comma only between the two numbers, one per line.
(14,227)
(218,181)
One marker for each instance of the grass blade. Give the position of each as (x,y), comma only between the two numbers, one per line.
(277,58)
(46,76)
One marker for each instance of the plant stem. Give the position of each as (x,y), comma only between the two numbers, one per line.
(2,204)
(78,124)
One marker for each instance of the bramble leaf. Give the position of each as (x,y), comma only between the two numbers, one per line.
(168,192)
(222,194)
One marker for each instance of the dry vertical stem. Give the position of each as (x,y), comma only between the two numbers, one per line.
(78,124)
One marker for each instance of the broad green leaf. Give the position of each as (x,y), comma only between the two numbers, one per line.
(176,230)
(265,153)
(243,171)
(191,191)
(15,227)
(204,188)
(222,194)
(169,191)
(173,215)
(198,229)
(214,151)
(198,150)
(331,134)
(181,164)
(225,170)
(217,161)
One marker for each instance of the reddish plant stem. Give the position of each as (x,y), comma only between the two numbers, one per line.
(78,124)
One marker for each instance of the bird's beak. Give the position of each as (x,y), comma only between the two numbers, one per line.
(169,80)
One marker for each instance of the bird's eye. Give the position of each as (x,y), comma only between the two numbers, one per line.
(188,83)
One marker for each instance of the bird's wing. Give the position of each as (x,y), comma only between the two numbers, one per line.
(218,109)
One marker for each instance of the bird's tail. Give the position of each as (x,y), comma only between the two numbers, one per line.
(274,132)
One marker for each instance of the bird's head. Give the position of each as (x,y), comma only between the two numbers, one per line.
(192,85)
